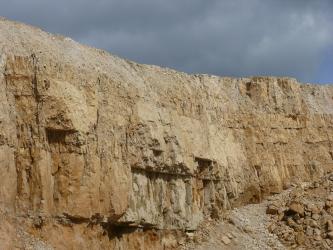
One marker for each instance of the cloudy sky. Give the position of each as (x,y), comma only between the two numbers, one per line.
(221,37)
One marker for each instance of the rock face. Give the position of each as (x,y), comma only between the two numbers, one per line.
(100,152)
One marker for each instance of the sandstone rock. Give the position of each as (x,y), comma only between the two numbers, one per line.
(330,210)
(272,209)
(330,235)
(291,222)
(247,229)
(330,226)
(316,222)
(317,237)
(313,209)
(313,223)
(225,240)
(272,227)
(315,216)
(300,238)
(330,197)
(328,204)
(109,146)
(316,231)
(300,221)
(190,234)
(230,235)
(309,231)
(325,245)
(297,208)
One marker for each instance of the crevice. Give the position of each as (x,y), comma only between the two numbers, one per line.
(112,229)
(58,135)
(117,231)
(68,219)
(157,152)
(150,172)
(96,130)
(205,168)
(35,90)
(248,87)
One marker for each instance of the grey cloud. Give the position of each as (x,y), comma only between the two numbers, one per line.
(235,38)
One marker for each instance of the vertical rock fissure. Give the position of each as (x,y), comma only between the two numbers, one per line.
(35,89)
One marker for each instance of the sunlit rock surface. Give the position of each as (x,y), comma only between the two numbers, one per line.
(100,152)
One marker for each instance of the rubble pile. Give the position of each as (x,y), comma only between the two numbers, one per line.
(304,217)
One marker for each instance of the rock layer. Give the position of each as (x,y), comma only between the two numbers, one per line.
(100,152)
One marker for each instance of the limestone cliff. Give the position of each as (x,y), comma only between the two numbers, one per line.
(100,152)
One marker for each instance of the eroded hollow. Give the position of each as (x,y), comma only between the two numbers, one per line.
(57,135)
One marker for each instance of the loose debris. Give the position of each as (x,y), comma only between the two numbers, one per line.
(305,217)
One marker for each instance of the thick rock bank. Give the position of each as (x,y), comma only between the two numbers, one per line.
(100,152)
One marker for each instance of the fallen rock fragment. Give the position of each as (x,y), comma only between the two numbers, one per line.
(272,209)
(225,240)
(300,238)
(308,220)
(296,207)
(330,235)
(329,226)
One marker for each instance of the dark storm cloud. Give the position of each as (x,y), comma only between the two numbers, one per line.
(235,37)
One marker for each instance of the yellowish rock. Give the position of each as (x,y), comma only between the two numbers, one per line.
(87,138)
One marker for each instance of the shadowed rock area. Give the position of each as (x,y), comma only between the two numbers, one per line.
(97,152)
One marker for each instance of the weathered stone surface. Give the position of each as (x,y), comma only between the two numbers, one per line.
(139,152)
(297,208)
(314,229)
(272,209)
(225,240)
